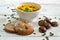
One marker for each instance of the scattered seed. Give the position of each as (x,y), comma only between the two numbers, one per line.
(34,33)
(51,34)
(0,35)
(59,18)
(47,38)
(55,17)
(15,18)
(9,20)
(39,18)
(7,7)
(12,15)
(12,9)
(50,19)
(5,15)
(44,34)
(43,39)
(3,24)
(44,16)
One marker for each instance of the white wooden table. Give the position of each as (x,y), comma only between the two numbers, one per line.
(48,6)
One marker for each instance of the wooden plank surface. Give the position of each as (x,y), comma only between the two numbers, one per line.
(48,6)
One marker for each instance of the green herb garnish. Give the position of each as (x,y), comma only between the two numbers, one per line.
(26,10)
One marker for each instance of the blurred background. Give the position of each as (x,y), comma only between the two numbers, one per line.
(5,2)
(49,7)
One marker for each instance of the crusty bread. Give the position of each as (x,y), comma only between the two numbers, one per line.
(9,27)
(24,28)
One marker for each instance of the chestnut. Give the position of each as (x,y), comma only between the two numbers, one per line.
(47,25)
(47,20)
(54,24)
(41,23)
(42,29)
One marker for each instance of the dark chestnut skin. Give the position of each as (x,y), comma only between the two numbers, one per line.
(41,23)
(47,20)
(54,24)
(44,23)
(42,29)
(47,25)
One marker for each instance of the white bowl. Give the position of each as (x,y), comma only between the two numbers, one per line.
(28,15)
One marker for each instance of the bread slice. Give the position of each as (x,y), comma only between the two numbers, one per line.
(9,27)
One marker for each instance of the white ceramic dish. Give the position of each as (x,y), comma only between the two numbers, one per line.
(28,15)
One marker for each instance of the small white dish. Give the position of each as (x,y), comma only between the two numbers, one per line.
(29,16)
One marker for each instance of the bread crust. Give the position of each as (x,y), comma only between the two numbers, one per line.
(9,27)
(24,28)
